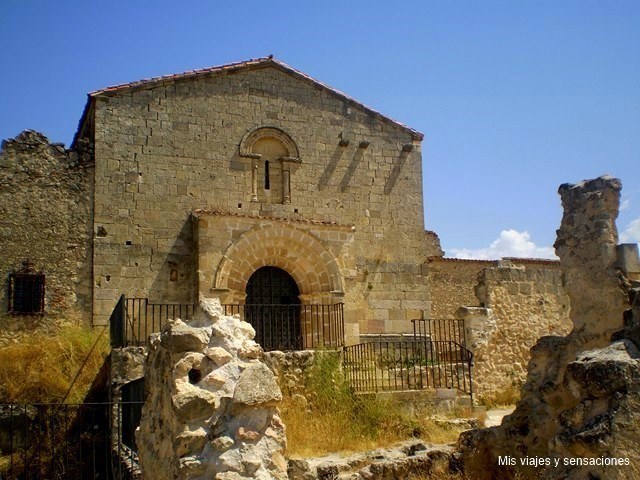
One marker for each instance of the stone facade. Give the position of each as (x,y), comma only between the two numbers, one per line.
(46,197)
(184,186)
(345,187)
(178,206)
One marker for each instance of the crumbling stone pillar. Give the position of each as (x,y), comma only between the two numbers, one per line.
(586,244)
(211,403)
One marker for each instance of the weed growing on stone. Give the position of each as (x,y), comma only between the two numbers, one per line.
(40,368)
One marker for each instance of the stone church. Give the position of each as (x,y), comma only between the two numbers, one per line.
(249,182)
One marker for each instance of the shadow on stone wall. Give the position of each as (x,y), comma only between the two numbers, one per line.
(176,279)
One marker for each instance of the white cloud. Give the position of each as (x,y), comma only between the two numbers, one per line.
(625,204)
(631,234)
(510,243)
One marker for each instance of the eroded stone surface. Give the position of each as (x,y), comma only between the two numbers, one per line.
(257,386)
(211,410)
(405,461)
(586,244)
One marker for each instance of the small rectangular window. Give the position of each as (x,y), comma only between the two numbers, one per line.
(26,291)
(266,175)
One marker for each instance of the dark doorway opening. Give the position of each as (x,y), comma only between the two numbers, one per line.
(273,309)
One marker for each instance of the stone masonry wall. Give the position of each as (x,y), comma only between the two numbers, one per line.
(167,150)
(46,218)
(452,281)
(381,298)
(525,305)
(506,304)
(452,284)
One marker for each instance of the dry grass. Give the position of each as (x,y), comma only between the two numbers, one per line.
(510,395)
(41,368)
(435,433)
(334,420)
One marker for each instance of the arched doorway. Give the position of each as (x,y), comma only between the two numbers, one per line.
(273,309)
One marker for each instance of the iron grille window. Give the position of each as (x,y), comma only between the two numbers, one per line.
(26,291)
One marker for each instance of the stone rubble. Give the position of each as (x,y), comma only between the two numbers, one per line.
(605,421)
(211,410)
(407,460)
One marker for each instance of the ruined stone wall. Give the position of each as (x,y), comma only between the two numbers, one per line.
(165,151)
(46,218)
(292,369)
(453,281)
(525,304)
(433,244)
(581,395)
(211,409)
(508,305)
(452,284)
(587,245)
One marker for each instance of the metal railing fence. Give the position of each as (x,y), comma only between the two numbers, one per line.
(134,319)
(278,327)
(65,442)
(294,327)
(434,358)
(440,329)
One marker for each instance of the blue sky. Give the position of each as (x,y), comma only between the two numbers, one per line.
(514,97)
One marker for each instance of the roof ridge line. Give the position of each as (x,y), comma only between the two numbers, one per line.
(184,74)
(252,62)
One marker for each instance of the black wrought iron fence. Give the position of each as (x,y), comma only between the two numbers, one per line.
(443,329)
(134,319)
(294,327)
(427,360)
(408,365)
(278,327)
(64,442)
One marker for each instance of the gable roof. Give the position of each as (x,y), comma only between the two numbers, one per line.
(234,67)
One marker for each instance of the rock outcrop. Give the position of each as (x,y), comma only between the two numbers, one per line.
(580,399)
(211,410)
(604,426)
